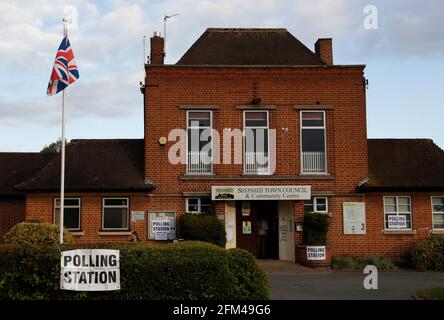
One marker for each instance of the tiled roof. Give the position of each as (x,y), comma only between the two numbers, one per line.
(248,47)
(16,167)
(410,164)
(102,165)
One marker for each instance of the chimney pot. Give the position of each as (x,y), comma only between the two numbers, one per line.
(324,50)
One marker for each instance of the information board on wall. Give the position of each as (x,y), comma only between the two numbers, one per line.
(158,216)
(354,217)
(90,270)
(260,192)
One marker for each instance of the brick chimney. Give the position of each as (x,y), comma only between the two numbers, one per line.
(324,50)
(157,49)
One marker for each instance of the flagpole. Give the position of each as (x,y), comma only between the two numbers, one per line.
(62,173)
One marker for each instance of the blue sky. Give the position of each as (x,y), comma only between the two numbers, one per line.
(404,58)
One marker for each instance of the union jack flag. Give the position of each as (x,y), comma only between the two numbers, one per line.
(65,69)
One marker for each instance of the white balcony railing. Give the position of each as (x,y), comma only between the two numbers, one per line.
(199,162)
(256,163)
(313,162)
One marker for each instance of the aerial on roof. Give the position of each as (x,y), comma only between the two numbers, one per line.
(114,165)
(248,47)
(404,164)
(17,167)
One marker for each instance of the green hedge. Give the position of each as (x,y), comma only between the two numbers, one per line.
(428,254)
(353,263)
(36,233)
(202,227)
(316,228)
(186,270)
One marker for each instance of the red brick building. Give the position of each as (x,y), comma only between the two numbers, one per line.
(304,148)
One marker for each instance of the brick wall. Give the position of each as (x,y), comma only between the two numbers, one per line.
(12,211)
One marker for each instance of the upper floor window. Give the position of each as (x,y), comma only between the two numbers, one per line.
(115,214)
(199,142)
(256,142)
(313,148)
(317,204)
(397,213)
(438,212)
(71,213)
(199,205)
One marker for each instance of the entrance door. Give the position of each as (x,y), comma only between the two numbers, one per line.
(257,228)
(286,231)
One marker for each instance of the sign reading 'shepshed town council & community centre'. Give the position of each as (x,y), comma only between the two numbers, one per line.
(261,192)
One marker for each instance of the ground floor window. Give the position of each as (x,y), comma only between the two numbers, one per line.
(397,213)
(199,205)
(71,213)
(115,214)
(316,204)
(438,212)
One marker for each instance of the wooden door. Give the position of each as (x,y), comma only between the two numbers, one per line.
(246,229)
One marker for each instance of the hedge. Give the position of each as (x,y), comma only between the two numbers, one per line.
(316,228)
(36,233)
(428,254)
(202,227)
(185,270)
(353,263)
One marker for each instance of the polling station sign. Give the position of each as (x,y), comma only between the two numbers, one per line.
(90,270)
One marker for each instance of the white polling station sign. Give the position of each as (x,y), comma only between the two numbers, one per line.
(90,270)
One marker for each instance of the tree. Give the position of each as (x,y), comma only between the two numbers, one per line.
(54,147)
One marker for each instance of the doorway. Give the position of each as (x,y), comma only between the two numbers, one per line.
(258,228)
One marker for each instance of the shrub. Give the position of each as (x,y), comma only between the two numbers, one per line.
(315,229)
(202,227)
(346,262)
(35,233)
(353,263)
(382,263)
(185,270)
(428,254)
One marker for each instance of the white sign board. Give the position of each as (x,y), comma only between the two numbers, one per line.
(316,253)
(161,229)
(354,217)
(137,215)
(397,222)
(90,270)
(260,192)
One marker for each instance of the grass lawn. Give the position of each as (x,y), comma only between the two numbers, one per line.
(431,293)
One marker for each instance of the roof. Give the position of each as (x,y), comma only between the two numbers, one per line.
(16,167)
(404,164)
(105,164)
(220,46)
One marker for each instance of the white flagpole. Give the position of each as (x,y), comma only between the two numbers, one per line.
(62,173)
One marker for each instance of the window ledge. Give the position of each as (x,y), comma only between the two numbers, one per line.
(77,232)
(437,231)
(113,233)
(399,231)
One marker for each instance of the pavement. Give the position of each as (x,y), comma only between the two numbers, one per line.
(290,281)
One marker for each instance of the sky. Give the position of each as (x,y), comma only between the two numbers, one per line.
(403,52)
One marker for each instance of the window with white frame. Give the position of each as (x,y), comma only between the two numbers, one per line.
(438,212)
(316,204)
(199,139)
(199,205)
(115,214)
(71,213)
(313,147)
(256,127)
(397,213)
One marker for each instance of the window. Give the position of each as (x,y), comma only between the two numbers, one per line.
(71,213)
(313,159)
(198,205)
(438,212)
(317,204)
(115,214)
(199,142)
(256,142)
(397,213)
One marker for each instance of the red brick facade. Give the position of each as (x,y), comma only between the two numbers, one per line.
(171,90)
(12,211)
